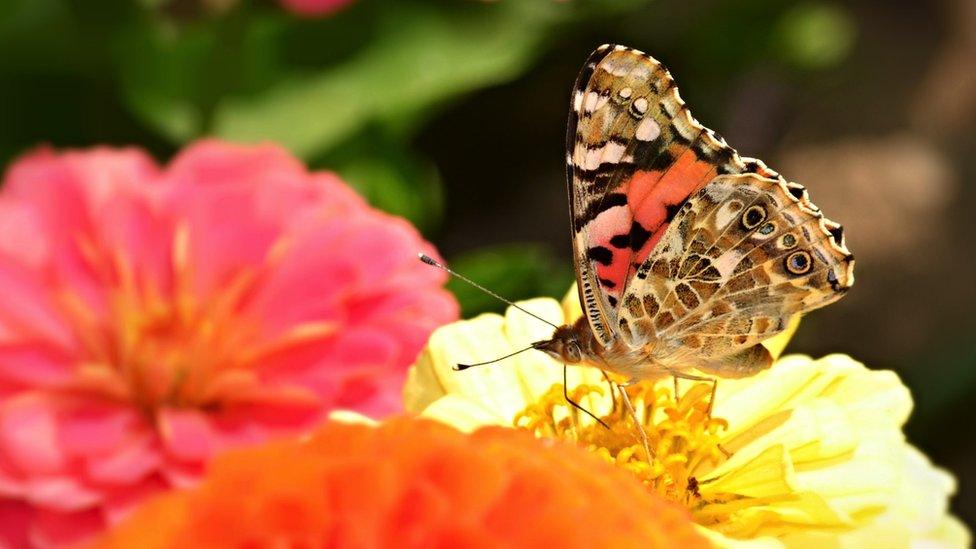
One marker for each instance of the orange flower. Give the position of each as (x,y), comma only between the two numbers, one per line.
(410,483)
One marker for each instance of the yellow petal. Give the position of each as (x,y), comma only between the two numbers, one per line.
(506,386)
(571,304)
(349,416)
(463,414)
(720,541)
(776,344)
(768,473)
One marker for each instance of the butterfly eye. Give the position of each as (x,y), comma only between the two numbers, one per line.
(788,241)
(753,216)
(798,263)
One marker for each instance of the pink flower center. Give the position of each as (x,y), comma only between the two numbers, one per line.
(164,347)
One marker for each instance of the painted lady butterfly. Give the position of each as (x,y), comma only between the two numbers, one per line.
(687,255)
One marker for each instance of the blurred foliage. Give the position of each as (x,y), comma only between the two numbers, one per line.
(815,35)
(392,177)
(517,271)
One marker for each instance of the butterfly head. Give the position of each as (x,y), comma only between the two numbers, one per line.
(564,346)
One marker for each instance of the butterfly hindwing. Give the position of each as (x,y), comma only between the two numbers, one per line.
(742,256)
(634,155)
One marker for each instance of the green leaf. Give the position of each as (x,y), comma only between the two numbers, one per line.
(815,35)
(516,271)
(420,56)
(391,178)
(173,74)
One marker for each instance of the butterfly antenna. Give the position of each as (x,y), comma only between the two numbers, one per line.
(434,263)
(459,367)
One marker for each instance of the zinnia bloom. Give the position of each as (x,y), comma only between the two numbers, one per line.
(410,483)
(808,453)
(150,317)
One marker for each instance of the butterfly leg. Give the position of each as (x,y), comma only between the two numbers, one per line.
(613,392)
(633,414)
(691,377)
(711,399)
(576,404)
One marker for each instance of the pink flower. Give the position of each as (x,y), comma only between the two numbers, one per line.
(151,317)
(315,8)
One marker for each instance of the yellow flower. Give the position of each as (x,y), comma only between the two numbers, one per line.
(808,453)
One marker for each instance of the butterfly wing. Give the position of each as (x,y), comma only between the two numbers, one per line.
(740,257)
(634,155)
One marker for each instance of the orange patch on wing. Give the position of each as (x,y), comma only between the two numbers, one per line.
(649,192)
(616,272)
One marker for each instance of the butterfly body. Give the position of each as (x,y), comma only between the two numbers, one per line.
(687,255)
(576,344)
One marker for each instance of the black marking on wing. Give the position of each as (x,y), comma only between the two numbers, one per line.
(838,234)
(605,168)
(633,239)
(599,254)
(616,140)
(671,210)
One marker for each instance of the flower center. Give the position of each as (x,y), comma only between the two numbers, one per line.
(683,437)
(158,344)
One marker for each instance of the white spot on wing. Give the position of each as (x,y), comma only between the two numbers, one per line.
(640,105)
(625,93)
(578,101)
(610,153)
(647,130)
(591,100)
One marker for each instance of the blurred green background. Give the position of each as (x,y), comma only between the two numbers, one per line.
(453,115)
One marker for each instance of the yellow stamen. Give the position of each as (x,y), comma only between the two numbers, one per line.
(683,437)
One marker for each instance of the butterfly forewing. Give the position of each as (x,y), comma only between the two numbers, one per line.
(634,155)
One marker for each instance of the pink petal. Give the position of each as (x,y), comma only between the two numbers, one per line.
(26,307)
(34,365)
(130,462)
(61,493)
(97,428)
(29,436)
(180,475)
(15,519)
(237,200)
(66,188)
(56,529)
(12,483)
(21,235)
(186,434)
(137,233)
(120,503)
(210,162)
(247,424)
(381,396)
